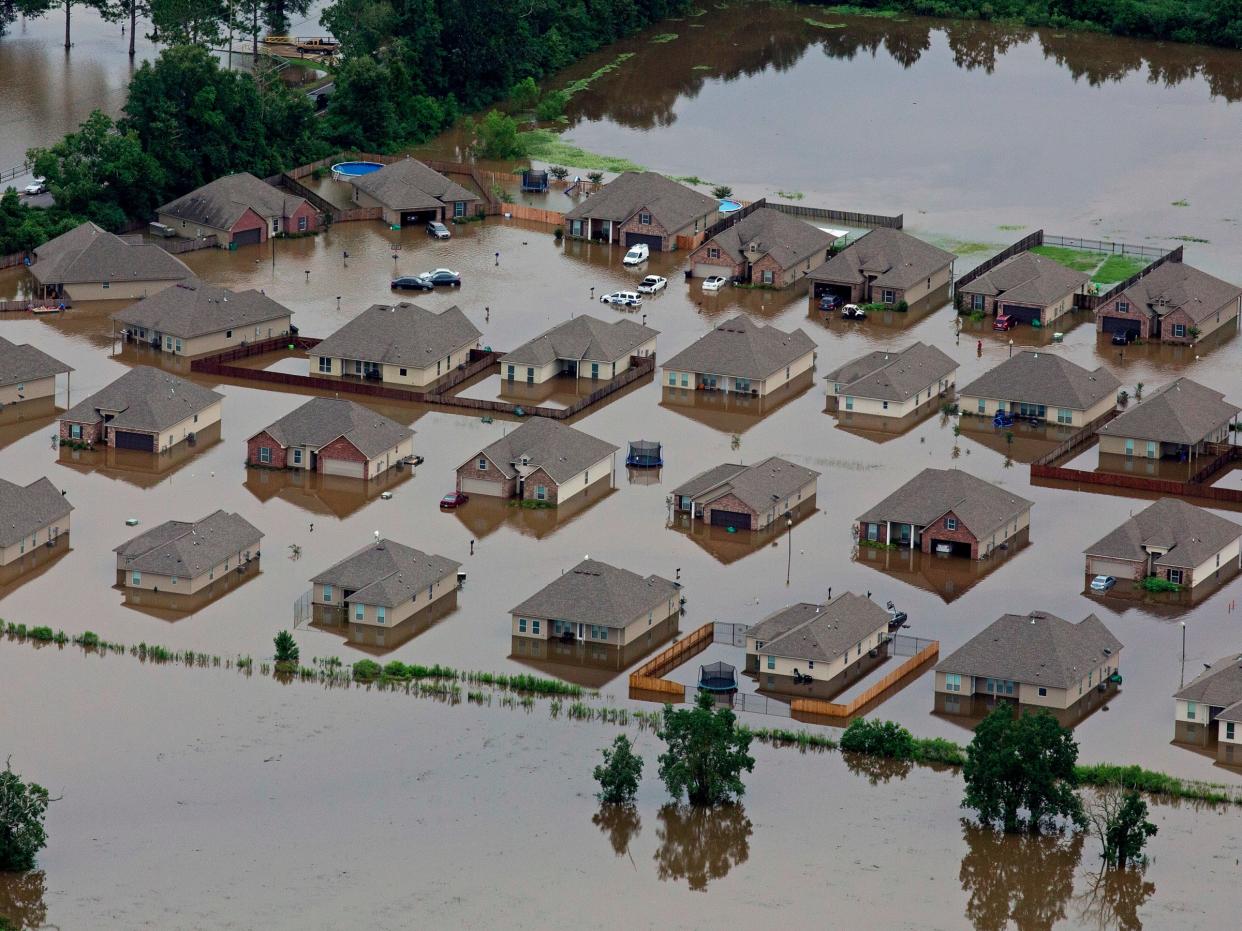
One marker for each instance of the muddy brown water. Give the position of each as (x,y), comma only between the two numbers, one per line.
(190,798)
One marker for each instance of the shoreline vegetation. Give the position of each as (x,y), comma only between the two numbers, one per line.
(573,703)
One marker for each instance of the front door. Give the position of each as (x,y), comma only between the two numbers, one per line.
(582,631)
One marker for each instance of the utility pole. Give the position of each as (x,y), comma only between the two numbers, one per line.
(1182,681)
(789,546)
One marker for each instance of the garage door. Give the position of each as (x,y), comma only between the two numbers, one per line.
(655,242)
(1020,312)
(955,548)
(1098,566)
(820,288)
(142,441)
(418,217)
(705,270)
(1117,325)
(734,519)
(345,467)
(479,486)
(248,237)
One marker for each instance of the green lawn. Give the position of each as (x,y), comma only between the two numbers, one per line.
(1118,268)
(547,146)
(1081,260)
(1102,267)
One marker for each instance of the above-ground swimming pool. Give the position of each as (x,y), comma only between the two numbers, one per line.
(343,171)
(726,206)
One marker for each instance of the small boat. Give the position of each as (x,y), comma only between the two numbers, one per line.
(45,309)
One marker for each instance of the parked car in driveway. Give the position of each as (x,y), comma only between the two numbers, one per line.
(714,283)
(830,302)
(624,298)
(853,312)
(412,283)
(651,284)
(1004,322)
(443,276)
(1102,583)
(438,230)
(453,499)
(1124,337)
(639,253)
(37,186)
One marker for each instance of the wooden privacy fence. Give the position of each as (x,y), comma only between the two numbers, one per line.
(179,246)
(648,676)
(831,709)
(1139,483)
(1173,255)
(848,217)
(527,212)
(1022,245)
(14,258)
(1084,437)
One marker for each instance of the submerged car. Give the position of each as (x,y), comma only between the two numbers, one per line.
(1124,337)
(651,284)
(443,276)
(853,312)
(624,298)
(1102,583)
(714,283)
(1004,322)
(412,283)
(453,499)
(639,252)
(830,302)
(438,230)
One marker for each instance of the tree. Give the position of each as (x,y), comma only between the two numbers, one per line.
(189,22)
(125,11)
(1021,763)
(524,94)
(559,172)
(552,107)
(721,191)
(706,754)
(878,738)
(1118,817)
(618,775)
(287,652)
(22,809)
(496,136)
(595,177)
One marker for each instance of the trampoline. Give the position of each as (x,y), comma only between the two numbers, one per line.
(343,171)
(729,206)
(718,677)
(644,454)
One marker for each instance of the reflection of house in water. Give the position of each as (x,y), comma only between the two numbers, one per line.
(483,515)
(1021,441)
(883,394)
(170,606)
(881,429)
(336,495)
(941,573)
(643,476)
(728,545)
(22,418)
(586,663)
(138,468)
(729,412)
(886,320)
(376,640)
(1208,710)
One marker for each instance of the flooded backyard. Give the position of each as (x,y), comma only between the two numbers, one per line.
(201,798)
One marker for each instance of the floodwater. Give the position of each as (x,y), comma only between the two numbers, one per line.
(194,800)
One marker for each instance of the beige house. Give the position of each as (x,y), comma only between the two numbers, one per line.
(239,209)
(193,317)
(90,264)
(598,603)
(183,557)
(893,384)
(1028,287)
(30,516)
(401,344)
(145,409)
(381,585)
(1179,421)
(584,347)
(27,373)
(1035,659)
(743,357)
(1210,706)
(408,192)
(1174,303)
(1041,385)
(884,266)
(334,436)
(747,497)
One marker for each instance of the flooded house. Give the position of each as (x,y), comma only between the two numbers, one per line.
(31,516)
(892,384)
(765,247)
(333,436)
(1028,287)
(1172,303)
(185,557)
(541,461)
(747,497)
(582,347)
(27,373)
(239,210)
(409,193)
(1182,420)
(401,344)
(742,357)
(146,409)
(947,511)
(818,648)
(884,266)
(1209,709)
(90,264)
(642,207)
(193,317)
(599,603)
(1035,384)
(1037,660)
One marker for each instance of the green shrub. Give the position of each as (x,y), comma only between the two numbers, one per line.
(620,772)
(42,633)
(22,807)
(367,669)
(1156,584)
(552,106)
(878,738)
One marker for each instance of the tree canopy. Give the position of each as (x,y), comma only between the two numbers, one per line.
(620,772)
(22,808)
(707,753)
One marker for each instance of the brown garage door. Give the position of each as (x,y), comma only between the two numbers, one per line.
(142,441)
(248,237)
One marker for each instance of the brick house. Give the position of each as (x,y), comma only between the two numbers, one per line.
(765,247)
(1027,287)
(333,436)
(145,409)
(747,497)
(642,207)
(239,209)
(946,511)
(1174,303)
(884,266)
(410,193)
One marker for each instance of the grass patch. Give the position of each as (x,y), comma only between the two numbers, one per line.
(690,179)
(664,37)
(1118,268)
(1189,239)
(1081,260)
(1010,227)
(703,68)
(818,25)
(548,146)
(972,248)
(849,10)
(575,87)
(790,195)
(1180,203)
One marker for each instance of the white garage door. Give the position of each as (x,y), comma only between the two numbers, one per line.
(478,486)
(343,467)
(704,270)
(1098,566)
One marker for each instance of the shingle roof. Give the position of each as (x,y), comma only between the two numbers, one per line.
(931,494)
(90,255)
(583,338)
(559,450)
(741,348)
(411,185)
(770,232)
(896,259)
(144,399)
(221,203)
(893,376)
(1190,534)
(1219,685)
(674,206)
(321,420)
(758,485)
(1175,285)
(194,308)
(386,573)
(819,632)
(403,334)
(1036,648)
(1036,376)
(594,592)
(1028,278)
(23,510)
(22,362)
(1183,411)
(188,549)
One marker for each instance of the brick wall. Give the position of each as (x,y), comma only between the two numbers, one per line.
(250,221)
(264,439)
(540,477)
(731,503)
(1167,324)
(769,264)
(341,448)
(989,303)
(507,487)
(1135,314)
(648,229)
(290,224)
(940,531)
(91,432)
(700,255)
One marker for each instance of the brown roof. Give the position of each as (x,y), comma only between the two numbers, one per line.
(1190,534)
(1037,376)
(1178,286)
(560,450)
(386,573)
(819,632)
(320,421)
(895,260)
(674,206)
(220,203)
(594,592)
(194,308)
(401,334)
(1028,278)
(583,339)
(741,348)
(770,232)
(893,376)
(758,486)
(88,254)
(145,399)
(411,185)
(25,509)
(931,494)
(1220,684)
(21,362)
(1183,411)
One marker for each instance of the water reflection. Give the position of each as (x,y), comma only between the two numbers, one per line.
(141,469)
(21,899)
(948,576)
(330,495)
(29,566)
(876,769)
(1112,900)
(586,663)
(620,824)
(727,545)
(379,641)
(1017,880)
(171,606)
(701,844)
(21,418)
(483,515)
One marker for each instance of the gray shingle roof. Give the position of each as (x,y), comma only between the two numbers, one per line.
(583,339)
(1036,649)
(1190,534)
(22,362)
(386,573)
(893,376)
(411,185)
(674,206)
(559,450)
(23,510)
(1176,285)
(144,399)
(1219,685)
(1028,278)
(896,259)
(194,308)
(1183,411)
(770,232)
(221,203)
(90,255)
(1036,376)
(741,348)
(403,334)
(321,420)
(758,485)
(594,592)
(980,505)
(819,632)
(188,549)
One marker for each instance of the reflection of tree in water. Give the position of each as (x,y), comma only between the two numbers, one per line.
(620,823)
(1017,880)
(1098,59)
(701,844)
(877,769)
(908,45)
(977,45)
(21,898)
(1113,898)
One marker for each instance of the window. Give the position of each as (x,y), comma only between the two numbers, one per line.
(672,377)
(1179,329)
(1152,451)
(459,208)
(75,431)
(521,625)
(430,589)
(1218,560)
(983,406)
(888,296)
(534,627)
(849,403)
(512,370)
(976,302)
(1064,415)
(404,372)
(541,493)
(1129,448)
(885,403)
(301,224)
(276,224)
(297,457)
(530,376)
(810,664)
(228,334)
(359,612)
(380,614)
(767,277)
(685,379)
(325,364)
(1229,732)
(952,682)
(1175,576)
(771,662)
(644,219)
(174,580)
(787,369)
(713,252)
(482,463)
(135,578)
(265,454)
(1043,692)
(327,594)
(950,523)
(1123,307)
(1191,709)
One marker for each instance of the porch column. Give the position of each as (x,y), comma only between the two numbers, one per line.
(888,531)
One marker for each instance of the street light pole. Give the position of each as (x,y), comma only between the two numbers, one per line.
(788,547)
(1183,678)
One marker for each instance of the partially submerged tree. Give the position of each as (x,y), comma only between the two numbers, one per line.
(1118,818)
(23,806)
(721,191)
(287,652)
(620,772)
(707,753)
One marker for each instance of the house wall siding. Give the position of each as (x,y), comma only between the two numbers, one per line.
(116,290)
(823,670)
(37,537)
(30,391)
